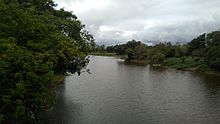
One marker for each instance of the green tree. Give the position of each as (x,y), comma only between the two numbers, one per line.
(197,45)
(140,52)
(37,42)
(213,50)
(130,53)
(155,56)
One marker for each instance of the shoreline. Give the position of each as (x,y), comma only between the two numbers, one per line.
(197,68)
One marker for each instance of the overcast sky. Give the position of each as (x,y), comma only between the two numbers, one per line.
(117,21)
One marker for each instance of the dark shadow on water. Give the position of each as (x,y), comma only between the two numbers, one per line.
(64,111)
(211,83)
(131,63)
(157,69)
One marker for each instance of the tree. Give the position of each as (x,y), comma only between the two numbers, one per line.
(213,50)
(197,45)
(155,56)
(140,52)
(130,54)
(37,42)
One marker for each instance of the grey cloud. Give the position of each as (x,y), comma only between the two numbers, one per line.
(152,20)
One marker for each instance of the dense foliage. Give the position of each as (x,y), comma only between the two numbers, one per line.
(201,51)
(37,42)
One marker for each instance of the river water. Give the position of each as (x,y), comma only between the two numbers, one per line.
(117,93)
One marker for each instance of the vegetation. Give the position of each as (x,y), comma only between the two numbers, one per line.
(38,45)
(178,63)
(201,54)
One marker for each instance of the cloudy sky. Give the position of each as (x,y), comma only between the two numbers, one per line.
(117,21)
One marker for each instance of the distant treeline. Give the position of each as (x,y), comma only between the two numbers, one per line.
(37,44)
(205,48)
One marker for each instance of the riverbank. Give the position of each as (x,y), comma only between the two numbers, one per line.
(186,64)
(194,64)
(189,64)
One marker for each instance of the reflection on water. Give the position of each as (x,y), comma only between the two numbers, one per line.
(119,93)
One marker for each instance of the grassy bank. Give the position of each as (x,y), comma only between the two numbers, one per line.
(194,64)
(180,63)
(189,64)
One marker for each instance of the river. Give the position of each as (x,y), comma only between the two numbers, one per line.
(118,93)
